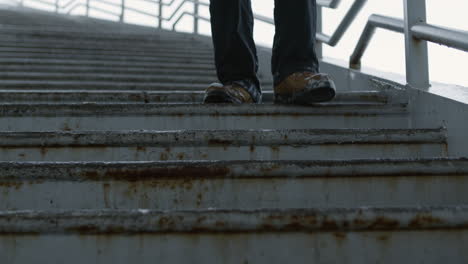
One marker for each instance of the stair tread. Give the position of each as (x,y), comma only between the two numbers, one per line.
(183,109)
(219,220)
(244,169)
(259,137)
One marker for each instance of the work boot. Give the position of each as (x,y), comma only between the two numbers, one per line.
(305,88)
(232,94)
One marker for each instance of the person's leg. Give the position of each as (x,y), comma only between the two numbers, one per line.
(235,52)
(295,66)
(294,42)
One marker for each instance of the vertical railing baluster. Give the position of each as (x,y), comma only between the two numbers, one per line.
(318,44)
(417,63)
(196,7)
(87,7)
(122,11)
(56,6)
(161,7)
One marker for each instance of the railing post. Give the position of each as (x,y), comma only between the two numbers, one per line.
(122,11)
(196,6)
(161,8)
(87,7)
(417,63)
(318,44)
(57,6)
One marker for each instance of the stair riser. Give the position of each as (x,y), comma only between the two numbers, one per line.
(189,193)
(49,96)
(106,55)
(107,46)
(102,85)
(268,248)
(158,122)
(98,37)
(144,153)
(119,43)
(103,63)
(110,58)
(105,70)
(79,50)
(108,77)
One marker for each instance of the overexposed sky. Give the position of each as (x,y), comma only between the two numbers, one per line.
(386,51)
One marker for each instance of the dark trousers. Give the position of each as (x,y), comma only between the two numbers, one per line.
(235,53)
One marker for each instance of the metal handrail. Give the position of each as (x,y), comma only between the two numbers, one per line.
(417,31)
(417,34)
(353,11)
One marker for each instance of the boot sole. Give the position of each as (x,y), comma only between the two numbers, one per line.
(324,92)
(218,97)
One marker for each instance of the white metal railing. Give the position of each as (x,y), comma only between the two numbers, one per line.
(417,32)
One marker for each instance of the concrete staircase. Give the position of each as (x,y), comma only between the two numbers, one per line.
(107,156)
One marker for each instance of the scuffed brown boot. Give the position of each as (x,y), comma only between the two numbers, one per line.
(231,94)
(305,88)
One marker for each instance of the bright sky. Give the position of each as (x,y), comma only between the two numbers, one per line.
(386,51)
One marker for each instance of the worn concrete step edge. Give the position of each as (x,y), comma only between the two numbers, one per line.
(263,137)
(92,29)
(199,170)
(64,47)
(153,77)
(76,69)
(101,85)
(63,96)
(104,63)
(218,220)
(104,36)
(12,41)
(88,30)
(156,53)
(111,58)
(95,109)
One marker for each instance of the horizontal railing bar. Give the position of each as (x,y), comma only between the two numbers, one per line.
(45,2)
(329,3)
(264,19)
(69,3)
(191,14)
(374,22)
(448,37)
(93,8)
(343,26)
(142,12)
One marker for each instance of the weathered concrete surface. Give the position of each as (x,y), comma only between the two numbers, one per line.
(409,247)
(88,116)
(163,97)
(233,184)
(206,221)
(59,212)
(222,145)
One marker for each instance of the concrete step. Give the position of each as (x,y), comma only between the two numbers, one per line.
(67,26)
(352,235)
(57,49)
(262,144)
(173,96)
(76,69)
(106,77)
(70,34)
(11,41)
(7,62)
(90,116)
(112,58)
(190,185)
(102,85)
